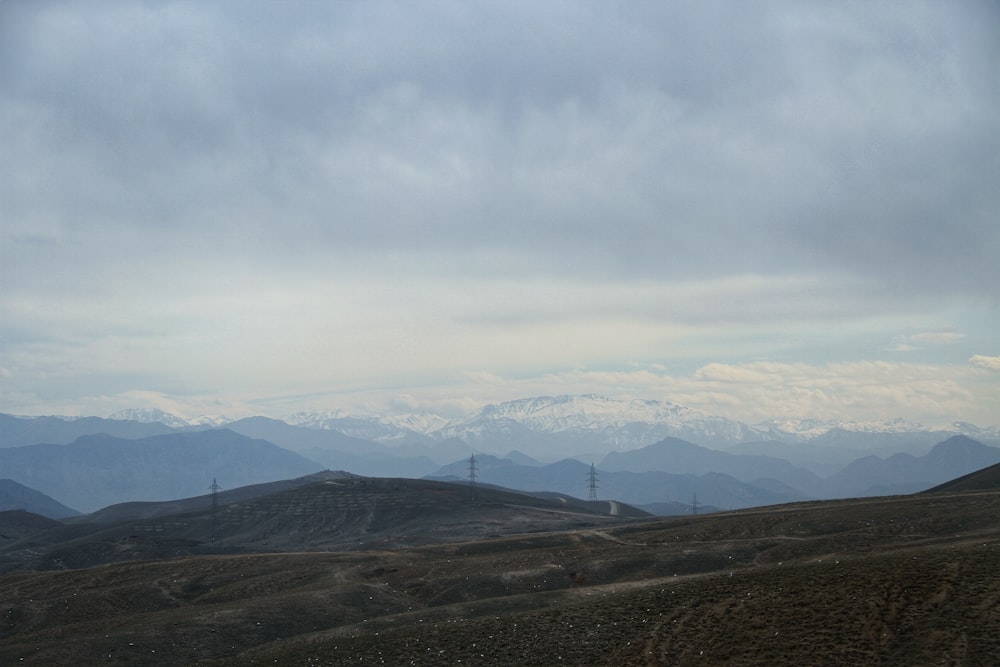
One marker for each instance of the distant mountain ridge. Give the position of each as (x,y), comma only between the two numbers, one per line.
(15,496)
(95,471)
(786,459)
(640,489)
(621,424)
(903,473)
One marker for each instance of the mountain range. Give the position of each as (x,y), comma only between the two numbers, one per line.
(648,453)
(95,471)
(574,424)
(317,512)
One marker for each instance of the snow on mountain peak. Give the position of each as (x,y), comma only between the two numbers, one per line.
(813,428)
(210,420)
(617,422)
(150,416)
(588,411)
(369,427)
(424,423)
(315,419)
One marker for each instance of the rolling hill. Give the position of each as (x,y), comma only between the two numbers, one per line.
(325,511)
(902,580)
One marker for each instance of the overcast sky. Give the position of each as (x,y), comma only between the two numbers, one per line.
(756,209)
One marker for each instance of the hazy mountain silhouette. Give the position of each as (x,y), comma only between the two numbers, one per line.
(570,476)
(905,473)
(100,470)
(20,431)
(14,496)
(681,457)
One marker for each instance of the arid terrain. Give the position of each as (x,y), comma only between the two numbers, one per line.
(902,580)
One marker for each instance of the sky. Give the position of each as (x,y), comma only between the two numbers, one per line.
(761,210)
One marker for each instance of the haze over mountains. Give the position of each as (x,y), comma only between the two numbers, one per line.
(235,576)
(653,454)
(581,420)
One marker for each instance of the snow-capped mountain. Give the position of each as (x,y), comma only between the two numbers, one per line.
(813,429)
(569,425)
(562,424)
(157,416)
(210,420)
(425,423)
(320,420)
(807,429)
(150,416)
(386,430)
(975,432)
(591,421)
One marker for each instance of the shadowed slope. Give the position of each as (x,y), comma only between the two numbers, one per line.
(905,580)
(986,479)
(325,511)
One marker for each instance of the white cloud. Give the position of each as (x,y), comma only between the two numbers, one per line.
(930,394)
(860,390)
(985,362)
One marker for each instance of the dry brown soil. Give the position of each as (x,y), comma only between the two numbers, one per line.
(881,581)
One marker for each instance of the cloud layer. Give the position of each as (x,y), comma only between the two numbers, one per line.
(268,204)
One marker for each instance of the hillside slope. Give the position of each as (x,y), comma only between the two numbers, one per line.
(328,511)
(900,581)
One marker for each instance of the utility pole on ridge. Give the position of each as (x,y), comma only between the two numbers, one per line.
(592,479)
(473,469)
(215,504)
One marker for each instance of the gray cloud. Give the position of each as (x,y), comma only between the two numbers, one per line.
(740,162)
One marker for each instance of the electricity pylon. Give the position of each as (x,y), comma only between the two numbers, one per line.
(473,469)
(215,504)
(592,479)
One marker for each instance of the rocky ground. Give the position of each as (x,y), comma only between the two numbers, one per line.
(904,580)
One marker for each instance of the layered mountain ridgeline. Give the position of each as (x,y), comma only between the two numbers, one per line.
(21,431)
(14,496)
(335,449)
(904,473)
(903,580)
(100,470)
(817,460)
(676,472)
(647,490)
(324,511)
(548,427)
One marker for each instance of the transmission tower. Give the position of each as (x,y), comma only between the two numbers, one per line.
(592,479)
(694,503)
(473,469)
(215,504)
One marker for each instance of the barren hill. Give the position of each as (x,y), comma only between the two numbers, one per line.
(981,480)
(892,581)
(326,511)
